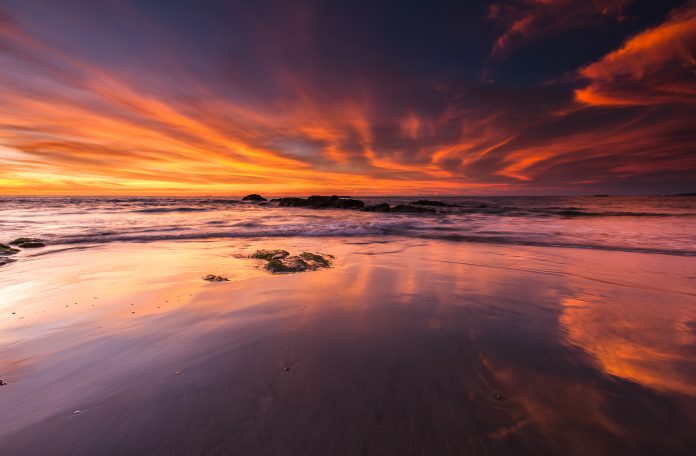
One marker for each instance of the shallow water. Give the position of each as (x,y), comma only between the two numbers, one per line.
(406,346)
(647,224)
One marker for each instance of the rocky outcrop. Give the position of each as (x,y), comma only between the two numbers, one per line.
(322,202)
(254,197)
(432,203)
(215,278)
(269,255)
(280,261)
(28,243)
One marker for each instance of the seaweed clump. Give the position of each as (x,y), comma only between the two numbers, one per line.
(280,261)
(215,278)
(269,255)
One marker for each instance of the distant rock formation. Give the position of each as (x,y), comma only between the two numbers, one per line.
(254,197)
(322,202)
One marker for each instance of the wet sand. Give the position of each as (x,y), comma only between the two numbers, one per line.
(404,347)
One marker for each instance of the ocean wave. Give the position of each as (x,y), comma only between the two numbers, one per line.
(408,230)
(158,210)
(564,212)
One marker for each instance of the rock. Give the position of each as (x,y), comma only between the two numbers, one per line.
(286,265)
(3,383)
(254,197)
(432,203)
(408,209)
(322,202)
(7,250)
(292,202)
(214,278)
(383,207)
(279,261)
(28,243)
(315,261)
(269,255)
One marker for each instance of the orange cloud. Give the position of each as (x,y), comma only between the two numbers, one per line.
(655,66)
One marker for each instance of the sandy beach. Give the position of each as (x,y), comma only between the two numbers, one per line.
(404,346)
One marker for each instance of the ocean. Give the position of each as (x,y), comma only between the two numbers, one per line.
(651,224)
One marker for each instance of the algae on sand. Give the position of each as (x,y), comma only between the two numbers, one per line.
(280,261)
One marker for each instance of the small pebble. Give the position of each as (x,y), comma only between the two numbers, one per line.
(3,383)
(498,397)
(287,369)
(178,372)
(76,412)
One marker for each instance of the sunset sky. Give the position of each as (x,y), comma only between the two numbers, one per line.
(368,98)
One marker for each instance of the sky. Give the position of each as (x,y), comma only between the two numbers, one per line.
(362,97)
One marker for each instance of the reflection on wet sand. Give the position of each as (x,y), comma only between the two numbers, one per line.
(647,341)
(434,348)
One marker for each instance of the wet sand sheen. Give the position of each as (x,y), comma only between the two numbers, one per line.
(404,347)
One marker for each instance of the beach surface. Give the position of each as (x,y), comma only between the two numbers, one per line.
(405,346)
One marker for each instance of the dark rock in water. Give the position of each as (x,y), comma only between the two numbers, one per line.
(7,250)
(408,209)
(287,264)
(215,278)
(315,261)
(254,197)
(432,203)
(322,202)
(279,261)
(28,243)
(383,207)
(269,255)
(292,202)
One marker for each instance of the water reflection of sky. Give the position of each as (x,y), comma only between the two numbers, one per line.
(575,343)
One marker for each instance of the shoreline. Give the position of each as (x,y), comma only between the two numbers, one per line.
(459,347)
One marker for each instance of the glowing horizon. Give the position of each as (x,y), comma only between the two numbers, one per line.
(118,99)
